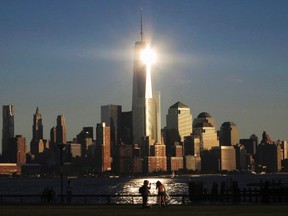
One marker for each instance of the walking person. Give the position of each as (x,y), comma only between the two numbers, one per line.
(145,191)
(161,194)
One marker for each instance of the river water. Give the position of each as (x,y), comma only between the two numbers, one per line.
(126,185)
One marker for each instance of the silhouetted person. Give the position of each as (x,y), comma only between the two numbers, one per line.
(145,191)
(161,194)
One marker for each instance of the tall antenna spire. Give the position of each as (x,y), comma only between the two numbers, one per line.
(141,33)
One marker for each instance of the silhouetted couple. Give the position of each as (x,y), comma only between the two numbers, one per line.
(145,191)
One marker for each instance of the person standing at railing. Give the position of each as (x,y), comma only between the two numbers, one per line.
(161,194)
(145,191)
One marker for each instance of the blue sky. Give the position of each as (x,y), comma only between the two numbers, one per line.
(225,57)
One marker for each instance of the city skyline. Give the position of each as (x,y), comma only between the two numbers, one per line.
(71,58)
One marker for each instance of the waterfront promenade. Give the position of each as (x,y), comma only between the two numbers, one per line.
(195,210)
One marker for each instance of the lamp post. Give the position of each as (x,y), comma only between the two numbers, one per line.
(61,147)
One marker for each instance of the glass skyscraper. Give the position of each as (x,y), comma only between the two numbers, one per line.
(145,108)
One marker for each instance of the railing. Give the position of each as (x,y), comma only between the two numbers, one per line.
(245,196)
(263,193)
(122,199)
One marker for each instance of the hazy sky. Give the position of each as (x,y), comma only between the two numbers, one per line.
(226,57)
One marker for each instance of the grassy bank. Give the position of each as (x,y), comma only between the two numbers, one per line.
(84,210)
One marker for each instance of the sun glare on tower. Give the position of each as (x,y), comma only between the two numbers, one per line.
(148,56)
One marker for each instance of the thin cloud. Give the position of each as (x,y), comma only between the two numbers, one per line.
(234,79)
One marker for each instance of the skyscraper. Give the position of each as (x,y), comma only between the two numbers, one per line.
(102,150)
(7,132)
(204,128)
(37,125)
(145,109)
(229,134)
(61,130)
(19,143)
(179,118)
(111,115)
(37,133)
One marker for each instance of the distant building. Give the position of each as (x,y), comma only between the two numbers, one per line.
(145,106)
(192,162)
(266,138)
(210,160)
(204,128)
(284,147)
(19,143)
(37,144)
(205,117)
(74,149)
(53,137)
(229,134)
(227,157)
(255,138)
(268,157)
(157,161)
(137,160)
(85,138)
(179,117)
(123,159)
(126,131)
(102,150)
(175,161)
(111,115)
(8,134)
(241,157)
(9,169)
(61,133)
(179,125)
(250,145)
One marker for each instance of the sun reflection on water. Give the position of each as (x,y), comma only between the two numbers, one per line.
(172,187)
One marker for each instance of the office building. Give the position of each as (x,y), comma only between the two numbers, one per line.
(74,149)
(111,115)
(179,117)
(102,149)
(228,158)
(37,134)
(178,125)
(192,145)
(8,134)
(123,159)
(268,155)
(204,129)
(250,145)
(175,161)
(19,142)
(126,128)
(61,137)
(241,157)
(145,107)
(192,162)
(85,138)
(229,134)
(205,117)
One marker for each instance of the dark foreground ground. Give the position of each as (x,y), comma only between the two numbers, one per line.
(84,210)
